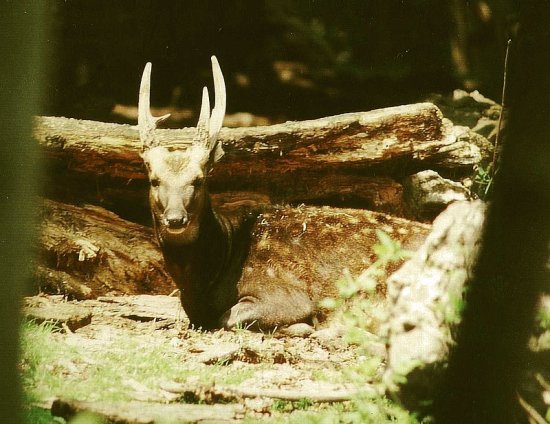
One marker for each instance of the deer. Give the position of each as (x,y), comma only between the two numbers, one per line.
(203,250)
(232,268)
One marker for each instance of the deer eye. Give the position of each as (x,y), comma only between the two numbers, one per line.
(155,182)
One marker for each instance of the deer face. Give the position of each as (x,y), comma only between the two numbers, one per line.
(178,193)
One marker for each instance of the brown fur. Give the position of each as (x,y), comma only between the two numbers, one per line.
(297,255)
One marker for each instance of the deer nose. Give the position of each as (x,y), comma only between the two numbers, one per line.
(176,222)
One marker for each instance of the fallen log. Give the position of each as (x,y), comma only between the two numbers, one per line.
(412,132)
(294,161)
(88,251)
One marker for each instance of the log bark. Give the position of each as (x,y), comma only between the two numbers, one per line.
(345,159)
(415,132)
(87,251)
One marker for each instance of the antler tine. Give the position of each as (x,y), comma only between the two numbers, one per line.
(204,119)
(147,123)
(218,113)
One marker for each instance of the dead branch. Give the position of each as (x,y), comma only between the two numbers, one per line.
(228,394)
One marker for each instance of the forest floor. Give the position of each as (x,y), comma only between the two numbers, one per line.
(133,359)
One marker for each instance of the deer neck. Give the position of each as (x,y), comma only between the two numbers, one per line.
(196,265)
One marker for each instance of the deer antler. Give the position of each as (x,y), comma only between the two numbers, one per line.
(218,113)
(147,123)
(209,124)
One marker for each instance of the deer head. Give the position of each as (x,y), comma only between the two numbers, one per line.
(178,195)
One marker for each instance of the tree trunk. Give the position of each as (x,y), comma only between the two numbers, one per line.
(483,376)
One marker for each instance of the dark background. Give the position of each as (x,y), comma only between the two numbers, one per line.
(281,59)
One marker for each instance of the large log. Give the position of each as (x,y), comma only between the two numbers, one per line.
(347,157)
(388,136)
(87,252)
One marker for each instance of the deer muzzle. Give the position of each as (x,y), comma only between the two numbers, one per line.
(175,221)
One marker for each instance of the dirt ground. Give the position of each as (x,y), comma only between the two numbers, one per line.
(275,371)
(218,376)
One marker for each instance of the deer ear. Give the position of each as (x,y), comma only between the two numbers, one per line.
(211,157)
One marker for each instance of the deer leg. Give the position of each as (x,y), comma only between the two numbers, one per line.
(266,314)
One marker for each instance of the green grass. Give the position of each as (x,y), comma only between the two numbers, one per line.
(52,368)
(35,415)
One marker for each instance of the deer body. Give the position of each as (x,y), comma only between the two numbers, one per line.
(231,267)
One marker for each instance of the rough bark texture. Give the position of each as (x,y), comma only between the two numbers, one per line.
(427,294)
(86,252)
(345,159)
(416,132)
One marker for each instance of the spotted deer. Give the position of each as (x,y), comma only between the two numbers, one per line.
(231,267)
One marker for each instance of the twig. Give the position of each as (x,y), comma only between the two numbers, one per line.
(502,108)
(296,395)
(532,412)
(544,384)
(218,392)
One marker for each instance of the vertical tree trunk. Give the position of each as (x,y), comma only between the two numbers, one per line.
(20,33)
(483,372)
